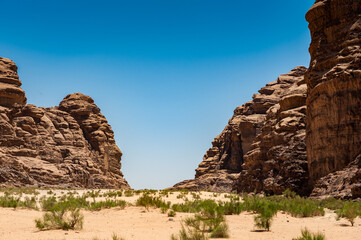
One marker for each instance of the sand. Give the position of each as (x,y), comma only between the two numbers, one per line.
(139,223)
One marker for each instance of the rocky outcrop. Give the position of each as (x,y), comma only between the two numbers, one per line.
(277,160)
(10,92)
(270,114)
(334,93)
(67,146)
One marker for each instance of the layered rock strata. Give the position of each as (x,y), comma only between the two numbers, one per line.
(235,148)
(334,95)
(10,91)
(277,160)
(67,146)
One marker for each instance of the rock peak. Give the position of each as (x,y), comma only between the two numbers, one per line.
(68,146)
(10,92)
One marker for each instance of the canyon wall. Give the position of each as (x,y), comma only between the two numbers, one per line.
(67,146)
(308,137)
(270,125)
(334,98)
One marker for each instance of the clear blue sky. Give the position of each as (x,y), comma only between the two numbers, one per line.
(166,74)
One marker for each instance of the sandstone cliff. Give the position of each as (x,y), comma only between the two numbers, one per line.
(334,98)
(67,146)
(269,155)
(263,140)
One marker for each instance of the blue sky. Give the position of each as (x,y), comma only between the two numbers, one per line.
(166,74)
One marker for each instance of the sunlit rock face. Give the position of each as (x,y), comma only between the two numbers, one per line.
(263,143)
(334,97)
(10,90)
(67,146)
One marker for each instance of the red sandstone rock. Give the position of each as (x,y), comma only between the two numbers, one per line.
(67,146)
(10,91)
(334,96)
(243,143)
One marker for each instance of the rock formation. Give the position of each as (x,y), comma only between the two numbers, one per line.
(261,134)
(269,154)
(277,159)
(10,92)
(334,98)
(67,146)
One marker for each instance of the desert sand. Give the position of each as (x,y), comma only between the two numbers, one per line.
(139,223)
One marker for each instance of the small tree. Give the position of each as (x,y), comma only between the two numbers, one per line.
(264,219)
(349,211)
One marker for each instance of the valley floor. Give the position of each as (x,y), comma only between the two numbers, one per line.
(136,222)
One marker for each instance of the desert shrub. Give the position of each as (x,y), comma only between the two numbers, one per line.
(116,237)
(350,211)
(20,191)
(253,204)
(232,207)
(196,196)
(113,194)
(48,203)
(332,203)
(147,201)
(29,203)
(289,194)
(307,235)
(52,204)
(96,206)
(194,206)
(210,219)
(301,207)
(189,234)
(265,215)
(7,201)
(221,231)
(128,193)
(93,194)
(63,217)
(171,213)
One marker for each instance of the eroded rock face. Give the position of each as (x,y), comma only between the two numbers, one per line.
(235,149)
(334,91)
(277,160)
(67,146)
(10,92)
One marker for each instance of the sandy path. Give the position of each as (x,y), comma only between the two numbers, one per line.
(136,223)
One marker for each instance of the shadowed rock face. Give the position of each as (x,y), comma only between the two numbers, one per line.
(334,94)
(68,146)
(10,91)
(236,147)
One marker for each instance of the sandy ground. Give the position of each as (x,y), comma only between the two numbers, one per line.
(138,223)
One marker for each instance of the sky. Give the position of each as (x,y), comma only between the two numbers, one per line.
(167,74)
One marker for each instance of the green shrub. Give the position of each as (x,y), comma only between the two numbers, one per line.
(14,202)
(113,194)
(301,207)
(332,203)
(171,213)
(106,204)
(266,213)
(63,217)
(147,201)
(210,219)
(189,234)
(116,237)
(232,207)
(289,194)
(307,235)
(221,231)
(350,211)
(128,193)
